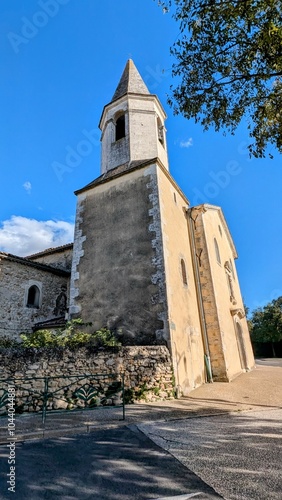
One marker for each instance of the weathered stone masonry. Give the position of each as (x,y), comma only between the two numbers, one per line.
(16,276)
(78,252)
(211,317)
(118,277)
(143,367)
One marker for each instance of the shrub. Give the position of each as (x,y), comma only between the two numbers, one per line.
(40,338)
(71,335)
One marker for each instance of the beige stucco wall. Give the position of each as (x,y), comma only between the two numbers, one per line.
(230,349)
(184,323)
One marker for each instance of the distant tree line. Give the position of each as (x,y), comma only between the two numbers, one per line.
(265,327)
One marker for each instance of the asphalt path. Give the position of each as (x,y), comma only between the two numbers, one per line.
(239,455)
(111,464)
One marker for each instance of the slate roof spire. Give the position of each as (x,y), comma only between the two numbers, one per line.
(130,82)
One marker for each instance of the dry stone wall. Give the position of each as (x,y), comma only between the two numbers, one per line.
(148,374)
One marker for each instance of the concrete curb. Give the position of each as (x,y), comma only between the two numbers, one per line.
(43,433)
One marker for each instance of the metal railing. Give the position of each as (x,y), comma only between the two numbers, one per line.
(65,393)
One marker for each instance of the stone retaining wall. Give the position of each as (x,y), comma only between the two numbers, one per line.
(148,374)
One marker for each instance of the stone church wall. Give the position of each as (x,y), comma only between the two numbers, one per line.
(15,281)
(230,308)
(147,370)
(229,344)
(118,275)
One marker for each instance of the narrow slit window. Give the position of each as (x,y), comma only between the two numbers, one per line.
(183,272)
(120,127)
(33,297)
(160,131)
(217,251)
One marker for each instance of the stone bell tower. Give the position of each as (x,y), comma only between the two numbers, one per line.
(118,277)
(132,124)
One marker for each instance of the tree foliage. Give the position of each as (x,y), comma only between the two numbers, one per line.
(266,322)
(229,64)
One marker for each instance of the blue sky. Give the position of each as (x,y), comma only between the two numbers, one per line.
(61,61)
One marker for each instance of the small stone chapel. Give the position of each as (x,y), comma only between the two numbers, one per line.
(144,263)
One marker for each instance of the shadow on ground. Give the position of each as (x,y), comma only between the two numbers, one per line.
(238,455)
(119,464)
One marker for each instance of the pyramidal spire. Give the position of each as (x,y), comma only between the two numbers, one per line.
(130,82)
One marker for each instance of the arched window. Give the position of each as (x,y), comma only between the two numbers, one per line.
(217,251)
(120,127)
(183,272)
(33,297)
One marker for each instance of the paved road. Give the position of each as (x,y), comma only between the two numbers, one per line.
(113,464)
(239,455)
(269,362)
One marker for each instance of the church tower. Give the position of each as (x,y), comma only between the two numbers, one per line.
(132,269)
(118,277)
(132,124)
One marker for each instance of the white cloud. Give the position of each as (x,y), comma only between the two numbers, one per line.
(186,144)
(27,186)
(22,236)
